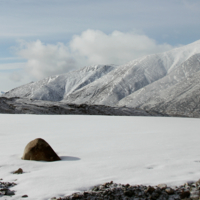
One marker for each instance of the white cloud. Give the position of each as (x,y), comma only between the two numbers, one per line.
(116,48)
(91,47)
(45,60)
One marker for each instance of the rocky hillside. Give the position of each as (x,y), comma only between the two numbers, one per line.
(26,106)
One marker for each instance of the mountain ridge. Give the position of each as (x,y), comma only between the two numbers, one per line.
(144,83)
(54,88)
(129,78)
(149,92)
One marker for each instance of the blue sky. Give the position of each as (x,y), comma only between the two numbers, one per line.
(39,38)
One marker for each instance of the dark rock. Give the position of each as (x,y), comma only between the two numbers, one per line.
(4,188)
(155,195)
(39,150)
(24,196)
(129,193)
(19,171)
(85,193)
(150,190)
(95,188)
(158,190)
(3,191)
(184,194)
(9,192)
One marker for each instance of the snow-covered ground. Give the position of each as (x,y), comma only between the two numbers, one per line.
(96,149)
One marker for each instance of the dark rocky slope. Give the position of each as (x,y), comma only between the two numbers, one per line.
(26,106)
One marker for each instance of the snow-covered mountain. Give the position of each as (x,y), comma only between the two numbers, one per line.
(178,93)
(129,78)
(153,92)
(146,83)
(56,88)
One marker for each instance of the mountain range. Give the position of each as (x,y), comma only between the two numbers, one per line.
(165,83)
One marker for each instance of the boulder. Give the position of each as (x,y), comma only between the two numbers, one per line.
(39,150)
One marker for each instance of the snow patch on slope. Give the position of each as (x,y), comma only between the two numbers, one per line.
(55,88)
(158,91)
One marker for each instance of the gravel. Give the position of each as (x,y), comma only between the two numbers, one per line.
(114,191)
(5,189)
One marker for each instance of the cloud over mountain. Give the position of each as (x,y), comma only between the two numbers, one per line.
(46,59)
(89,48)
(116,48)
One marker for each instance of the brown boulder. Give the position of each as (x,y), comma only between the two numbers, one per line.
(19,171)
(39,150)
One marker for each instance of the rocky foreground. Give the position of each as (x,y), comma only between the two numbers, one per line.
(5,188)
(114,191)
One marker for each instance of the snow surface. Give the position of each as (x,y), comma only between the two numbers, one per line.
(96,149)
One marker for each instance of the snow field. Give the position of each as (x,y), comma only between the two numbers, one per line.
(96,149)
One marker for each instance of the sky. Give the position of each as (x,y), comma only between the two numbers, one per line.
(40,38)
